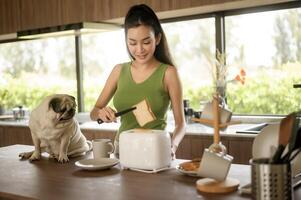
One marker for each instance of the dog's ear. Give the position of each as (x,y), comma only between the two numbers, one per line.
(55,104)
(74,100)
(72,97)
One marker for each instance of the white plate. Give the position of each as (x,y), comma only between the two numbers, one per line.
(189,173)
(266,142)
(97,164)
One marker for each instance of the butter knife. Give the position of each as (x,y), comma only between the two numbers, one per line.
(99,121)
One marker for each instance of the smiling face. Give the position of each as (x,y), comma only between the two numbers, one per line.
(141,42)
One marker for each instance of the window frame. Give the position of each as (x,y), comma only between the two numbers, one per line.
(221,42)
(219,35)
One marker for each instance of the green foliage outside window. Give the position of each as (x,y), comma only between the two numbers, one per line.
(269,96)
(266,99)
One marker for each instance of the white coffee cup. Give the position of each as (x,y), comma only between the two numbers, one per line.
(102,148)
(215,165)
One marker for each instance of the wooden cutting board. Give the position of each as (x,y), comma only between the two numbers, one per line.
(210,185)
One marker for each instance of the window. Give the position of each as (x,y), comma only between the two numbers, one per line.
(101,52)
(268,46)
(192,45)
(33,69)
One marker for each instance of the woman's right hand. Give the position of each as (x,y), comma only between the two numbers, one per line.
(106,114)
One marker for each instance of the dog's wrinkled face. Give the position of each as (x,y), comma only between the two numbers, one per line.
(63,108)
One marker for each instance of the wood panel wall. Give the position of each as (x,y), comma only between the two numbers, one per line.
(39,14)
(10,135)
(120,9)
(191,147)
(9,16)
(16,15)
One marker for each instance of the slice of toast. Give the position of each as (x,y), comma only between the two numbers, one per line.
(143,113)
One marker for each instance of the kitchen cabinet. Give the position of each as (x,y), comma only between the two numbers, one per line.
(96,10)
(89,134)
(40,14)
(1,136)
(240,149)
(21,15)
(118,10)
(96,134)
(10,135)
(72,12)
(17,15)
(192,146)
(9,16)
(48,13)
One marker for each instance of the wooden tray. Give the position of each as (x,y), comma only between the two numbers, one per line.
(209,185)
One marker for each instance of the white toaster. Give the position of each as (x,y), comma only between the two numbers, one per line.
(145,149)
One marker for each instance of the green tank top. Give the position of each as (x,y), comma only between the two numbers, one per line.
(129,93)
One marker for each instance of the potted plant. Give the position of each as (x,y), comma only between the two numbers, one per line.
(221,79)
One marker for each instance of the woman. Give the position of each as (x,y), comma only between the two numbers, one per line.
(150,75)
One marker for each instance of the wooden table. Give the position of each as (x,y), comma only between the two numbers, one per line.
(47,179)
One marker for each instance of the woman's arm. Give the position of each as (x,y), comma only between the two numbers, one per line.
(100,110)
(174,88)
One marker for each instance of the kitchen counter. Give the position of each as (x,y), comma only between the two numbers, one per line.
(191,129)
(19,123)
(48,179)
(197,137)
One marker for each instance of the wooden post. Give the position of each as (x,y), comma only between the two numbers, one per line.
(216,119)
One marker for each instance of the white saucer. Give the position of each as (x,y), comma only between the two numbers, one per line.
(188,173)
(97,164)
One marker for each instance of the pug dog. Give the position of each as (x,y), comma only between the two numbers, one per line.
(55,130)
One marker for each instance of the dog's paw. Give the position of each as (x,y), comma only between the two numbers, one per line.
(25,155)
(35,156)
(63,158)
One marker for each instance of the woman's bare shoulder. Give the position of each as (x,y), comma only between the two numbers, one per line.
(118,67)
(116,70)
(171,71)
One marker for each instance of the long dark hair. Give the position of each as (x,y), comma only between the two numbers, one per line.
(143,15)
